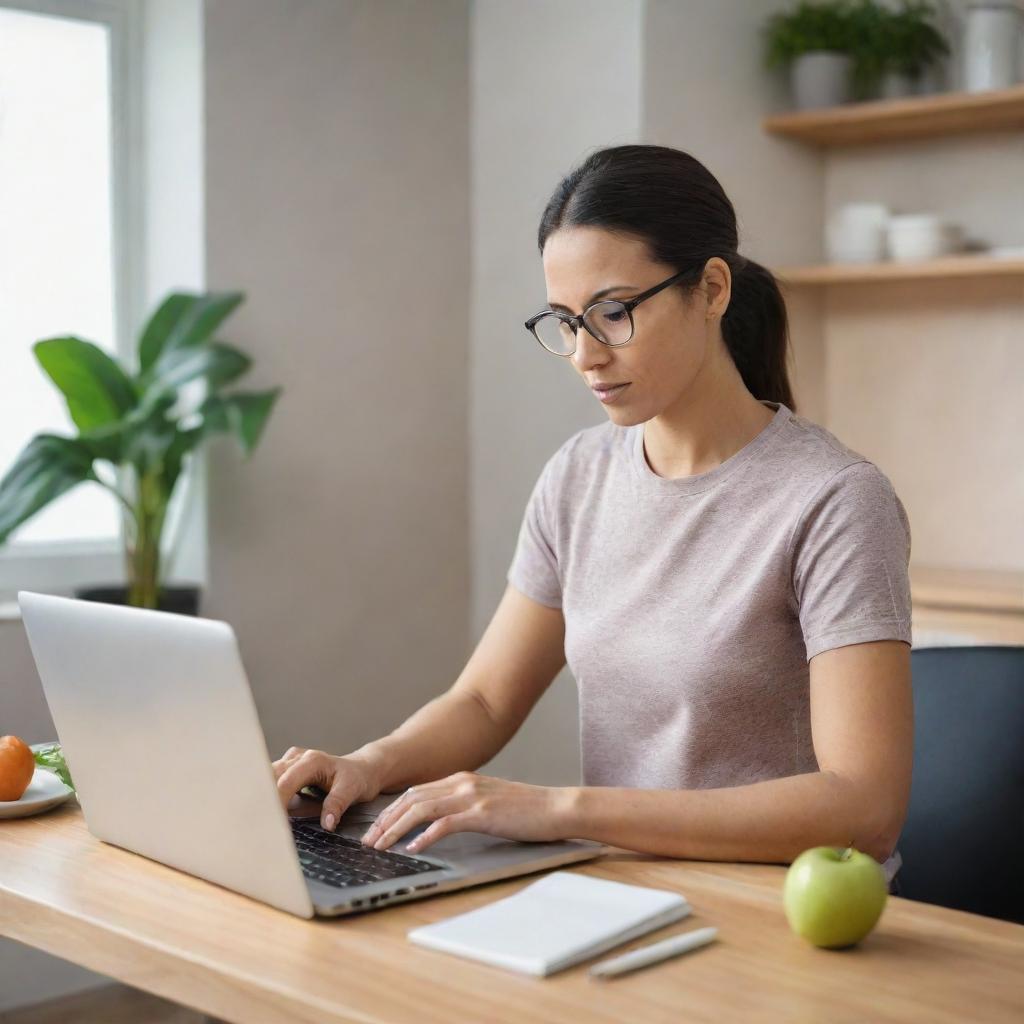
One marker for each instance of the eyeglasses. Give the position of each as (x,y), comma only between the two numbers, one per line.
(609,321)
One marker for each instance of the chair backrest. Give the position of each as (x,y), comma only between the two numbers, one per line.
(963,840)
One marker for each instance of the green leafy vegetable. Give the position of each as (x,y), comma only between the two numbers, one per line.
(52,758)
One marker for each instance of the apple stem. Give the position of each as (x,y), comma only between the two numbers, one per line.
(847,853)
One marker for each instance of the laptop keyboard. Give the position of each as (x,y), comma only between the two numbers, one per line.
(342,861)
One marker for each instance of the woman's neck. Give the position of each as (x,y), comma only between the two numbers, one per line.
(695,438)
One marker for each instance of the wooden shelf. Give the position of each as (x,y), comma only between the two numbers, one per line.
(988,590)
(911,117)
(947,266)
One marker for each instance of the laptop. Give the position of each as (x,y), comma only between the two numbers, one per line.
(157,721)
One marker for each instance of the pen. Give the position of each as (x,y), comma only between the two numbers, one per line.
(655,952)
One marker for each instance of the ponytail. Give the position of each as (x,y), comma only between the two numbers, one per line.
(756,331)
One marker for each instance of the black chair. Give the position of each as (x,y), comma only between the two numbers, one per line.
(963,841)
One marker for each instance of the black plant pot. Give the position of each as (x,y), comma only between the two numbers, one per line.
(182,600)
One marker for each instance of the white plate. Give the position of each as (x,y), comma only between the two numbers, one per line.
(44,791)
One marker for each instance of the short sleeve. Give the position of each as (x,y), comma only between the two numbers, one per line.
(851,562)
(534,568)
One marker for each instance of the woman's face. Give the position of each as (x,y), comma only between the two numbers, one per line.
(671,338)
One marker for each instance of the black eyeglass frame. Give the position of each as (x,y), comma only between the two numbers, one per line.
(577,321)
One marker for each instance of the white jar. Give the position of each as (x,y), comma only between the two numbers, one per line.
(992,45)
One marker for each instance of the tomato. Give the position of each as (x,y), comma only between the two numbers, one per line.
(17,766)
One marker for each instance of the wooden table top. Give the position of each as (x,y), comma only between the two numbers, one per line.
(151,926)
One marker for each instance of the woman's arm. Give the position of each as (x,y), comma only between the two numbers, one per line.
(862,723)
(520,653)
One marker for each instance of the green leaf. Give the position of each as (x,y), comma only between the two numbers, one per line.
(243,414)
(52,758)
(218,363)
(160,325)
(107,442)
(183,443)
(97,390)
(148,434)
(184,319)
(130,439)
(48,466)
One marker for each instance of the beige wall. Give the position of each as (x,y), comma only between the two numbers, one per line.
(337,185)
(540,104)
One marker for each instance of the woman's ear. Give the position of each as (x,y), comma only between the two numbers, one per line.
(716,286)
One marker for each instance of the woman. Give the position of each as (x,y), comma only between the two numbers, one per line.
(728,580)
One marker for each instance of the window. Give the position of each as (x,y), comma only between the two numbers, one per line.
(67,239)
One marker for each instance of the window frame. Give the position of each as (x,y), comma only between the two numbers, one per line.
(59,566)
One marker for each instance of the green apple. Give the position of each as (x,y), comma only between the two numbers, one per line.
(834,897)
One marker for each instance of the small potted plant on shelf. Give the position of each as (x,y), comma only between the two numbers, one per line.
(872,47)
(816,41)
(916,49)
(136,430)
(895,48)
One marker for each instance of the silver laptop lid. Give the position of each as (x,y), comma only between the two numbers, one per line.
(157,719)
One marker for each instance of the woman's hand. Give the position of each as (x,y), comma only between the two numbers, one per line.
(348,779)
(467,802)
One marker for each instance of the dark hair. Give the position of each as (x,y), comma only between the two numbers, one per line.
(671,201)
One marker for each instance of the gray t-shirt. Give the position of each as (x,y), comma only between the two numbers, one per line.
(693,605)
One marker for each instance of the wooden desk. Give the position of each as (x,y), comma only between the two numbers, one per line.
(224,954)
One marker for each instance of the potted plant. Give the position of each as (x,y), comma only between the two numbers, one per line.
(895,48)
(871,47)
(816,42)
(919,45)
(137,427)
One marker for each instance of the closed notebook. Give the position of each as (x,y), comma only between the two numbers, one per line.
(553,923)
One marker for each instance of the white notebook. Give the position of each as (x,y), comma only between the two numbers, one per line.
(553,923)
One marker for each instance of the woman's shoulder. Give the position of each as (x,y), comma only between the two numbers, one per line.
(813,455)
(820,473)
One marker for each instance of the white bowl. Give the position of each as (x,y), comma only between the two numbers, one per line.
(916,237)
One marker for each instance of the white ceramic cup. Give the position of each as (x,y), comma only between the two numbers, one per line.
(856,233)
(921,236)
